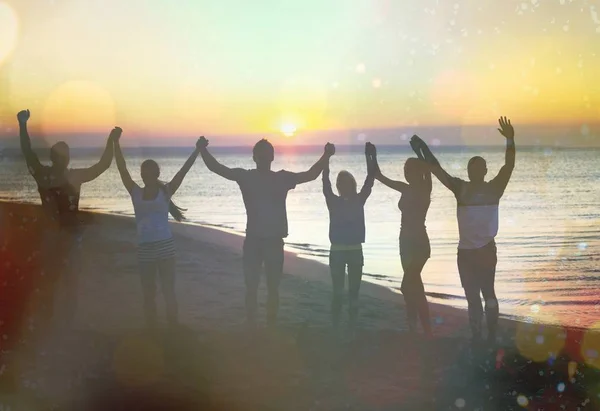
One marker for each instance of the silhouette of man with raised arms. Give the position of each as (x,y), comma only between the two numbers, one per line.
(477,213)
(264,192)
(60,189)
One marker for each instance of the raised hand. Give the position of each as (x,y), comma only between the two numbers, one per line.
(202,143)
(372,165)
(329,149)
(506,129)
(23,116)
(115,133)
(370,149)
(417,143)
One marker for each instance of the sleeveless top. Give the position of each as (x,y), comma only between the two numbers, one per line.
(151,216)
(414,211)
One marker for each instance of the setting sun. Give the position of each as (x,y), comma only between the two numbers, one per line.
(288,130)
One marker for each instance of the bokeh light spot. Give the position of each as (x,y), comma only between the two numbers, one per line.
(522,401)
(539,343)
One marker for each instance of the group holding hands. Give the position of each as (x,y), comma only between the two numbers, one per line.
(264,193)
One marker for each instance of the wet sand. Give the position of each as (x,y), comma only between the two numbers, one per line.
(108,361)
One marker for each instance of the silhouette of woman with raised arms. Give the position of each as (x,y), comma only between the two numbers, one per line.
(414,242)
(156,249)
(347,233)
(60,189)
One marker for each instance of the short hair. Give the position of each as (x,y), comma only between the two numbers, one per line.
(474,159)
(263,146)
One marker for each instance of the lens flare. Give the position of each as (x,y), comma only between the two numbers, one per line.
(590,347)
(137,362)
(9,28)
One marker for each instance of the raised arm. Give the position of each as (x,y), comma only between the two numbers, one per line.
(327,190)
(427,184)
(313,172)
(213,165)
(32,160)
(507,130)
(394,185)
(121,165)
(178,178)
(420,146)
(84,175)
(370,157)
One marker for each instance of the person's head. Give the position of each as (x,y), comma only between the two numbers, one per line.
(150,172)
(477,169)
(60,155)
(263,153)
(346,184)
(413,170)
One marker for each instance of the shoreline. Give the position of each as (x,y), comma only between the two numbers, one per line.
(214,363)
(233,240)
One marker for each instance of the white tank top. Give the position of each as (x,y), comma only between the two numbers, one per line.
(151,216)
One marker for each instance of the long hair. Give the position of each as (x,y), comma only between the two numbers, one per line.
(174,210)
(345,177)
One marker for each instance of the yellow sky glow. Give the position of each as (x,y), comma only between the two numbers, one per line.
(157,69)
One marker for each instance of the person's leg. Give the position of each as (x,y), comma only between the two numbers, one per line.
(337,269)
(274,272)
(355,271)
(166,271)
(471,284)
(252,261)
(407,287)
(71,276)
(148,277)
(420,299)
(414,292)
(52,256)
(487,270)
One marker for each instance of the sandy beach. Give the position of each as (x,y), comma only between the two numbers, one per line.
(107,361)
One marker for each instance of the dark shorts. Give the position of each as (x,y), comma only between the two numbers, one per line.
(259,252)
(477,267)
(414,245)
(343,258)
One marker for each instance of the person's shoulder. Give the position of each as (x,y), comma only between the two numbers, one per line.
(243,172)
(284,174)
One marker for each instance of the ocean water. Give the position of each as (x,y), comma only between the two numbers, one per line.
(548,242)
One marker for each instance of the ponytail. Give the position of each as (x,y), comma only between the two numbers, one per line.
(174,210)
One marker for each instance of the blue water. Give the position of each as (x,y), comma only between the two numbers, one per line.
(548,243)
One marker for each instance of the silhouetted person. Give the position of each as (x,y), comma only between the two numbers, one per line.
(477,213)
(414,241)
(264,192)
(60,188)
(156,248)
(346,233)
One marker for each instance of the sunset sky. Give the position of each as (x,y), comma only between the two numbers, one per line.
(166,71)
